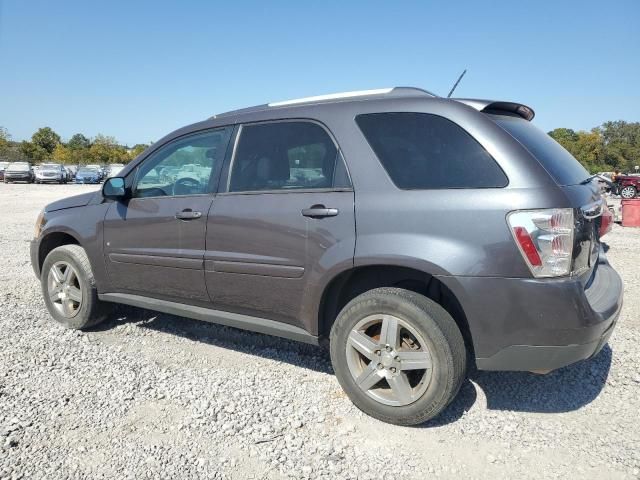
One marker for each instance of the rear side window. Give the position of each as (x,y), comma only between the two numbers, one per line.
(284,156)
(423,151)
(560,164)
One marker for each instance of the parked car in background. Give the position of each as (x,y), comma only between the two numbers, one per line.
(257,230)
(3,166)
(88,174)
(71,170)
(628,185)
(51,172)
(19,172)
(99,169)
(114,169)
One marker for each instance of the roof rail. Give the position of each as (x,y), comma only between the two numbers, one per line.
(353,94)
(393,91)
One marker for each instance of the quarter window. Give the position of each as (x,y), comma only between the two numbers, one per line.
(424,151)
(183,167)
(282,156)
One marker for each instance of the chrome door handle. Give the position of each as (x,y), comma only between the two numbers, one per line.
(188,214)
(319,211)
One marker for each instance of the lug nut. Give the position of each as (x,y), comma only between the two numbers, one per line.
(388,348)
(397,358)
(378,352)
(379,366)
(393,370)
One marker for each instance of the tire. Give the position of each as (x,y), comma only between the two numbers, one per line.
(87,312)
(628,192)
(422,322)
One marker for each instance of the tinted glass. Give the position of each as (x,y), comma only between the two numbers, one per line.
(423,151)
(560,164)
(283,155)
(183,167)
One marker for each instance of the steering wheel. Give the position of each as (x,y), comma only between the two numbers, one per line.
(186,186)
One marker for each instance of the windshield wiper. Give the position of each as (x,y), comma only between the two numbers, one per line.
(595,175)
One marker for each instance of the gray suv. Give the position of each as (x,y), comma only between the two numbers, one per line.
(415,234)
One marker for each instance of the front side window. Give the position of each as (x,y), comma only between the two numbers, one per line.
(282,156)
(184,166)
(423,151)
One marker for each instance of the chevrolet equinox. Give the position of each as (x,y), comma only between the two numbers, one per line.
(415,234)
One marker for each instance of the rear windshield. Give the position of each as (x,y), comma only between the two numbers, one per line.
(560,164)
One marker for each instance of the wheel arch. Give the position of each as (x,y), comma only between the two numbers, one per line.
(54,239)
(350,283)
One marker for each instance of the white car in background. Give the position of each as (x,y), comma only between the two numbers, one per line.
(115,169)
(51,172)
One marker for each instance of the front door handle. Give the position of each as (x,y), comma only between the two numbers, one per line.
(319,211)
(188,214)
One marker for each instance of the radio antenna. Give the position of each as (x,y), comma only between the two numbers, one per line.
(456,84)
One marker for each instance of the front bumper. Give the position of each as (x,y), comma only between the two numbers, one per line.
(87,180)
(12,177)
(539,324)
(34,247)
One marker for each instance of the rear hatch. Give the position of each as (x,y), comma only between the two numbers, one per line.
(583,194)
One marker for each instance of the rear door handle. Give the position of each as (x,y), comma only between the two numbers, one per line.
(319,211)
(188,214)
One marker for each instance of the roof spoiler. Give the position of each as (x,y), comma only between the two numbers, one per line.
(500,108)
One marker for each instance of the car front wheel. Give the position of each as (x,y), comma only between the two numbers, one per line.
(69,288)
(398,355)
(628,192)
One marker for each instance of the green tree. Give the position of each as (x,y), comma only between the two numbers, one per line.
(46,139)
(4,140)
(33,152)
(78,141)
(622,144)
(137,150)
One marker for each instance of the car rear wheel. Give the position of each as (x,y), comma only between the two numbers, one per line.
(628,192)
(69,288)
(398,355)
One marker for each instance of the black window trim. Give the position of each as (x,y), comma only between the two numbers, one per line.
(228,167)
(355,119)
(211,187)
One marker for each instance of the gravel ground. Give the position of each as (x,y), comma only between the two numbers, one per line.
(155,396)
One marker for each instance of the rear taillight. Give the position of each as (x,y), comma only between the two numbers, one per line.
(545,239)
(606,220)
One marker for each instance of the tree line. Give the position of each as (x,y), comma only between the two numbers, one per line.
(609,147)
(47,146)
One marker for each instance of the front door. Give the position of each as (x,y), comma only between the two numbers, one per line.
(154,242)
(286,214)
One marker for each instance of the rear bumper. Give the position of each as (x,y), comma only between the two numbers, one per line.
(539,324)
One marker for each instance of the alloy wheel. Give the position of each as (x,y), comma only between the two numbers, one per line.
(628,192)
(64,289)
(389,360)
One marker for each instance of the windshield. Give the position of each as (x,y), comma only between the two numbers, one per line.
(50,166)
(560,164)
(18,167)
(87,170)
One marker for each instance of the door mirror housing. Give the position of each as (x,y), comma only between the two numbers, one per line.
(114,188)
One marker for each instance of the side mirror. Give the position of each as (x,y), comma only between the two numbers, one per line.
(114,188)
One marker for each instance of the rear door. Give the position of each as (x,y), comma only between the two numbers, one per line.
(154,242)
(285,215)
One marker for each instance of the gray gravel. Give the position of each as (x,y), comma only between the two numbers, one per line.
(154,396)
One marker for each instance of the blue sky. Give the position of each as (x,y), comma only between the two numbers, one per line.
(139,69)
